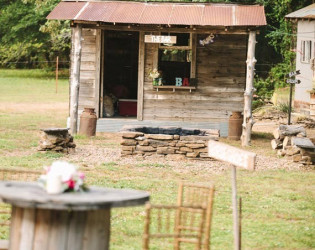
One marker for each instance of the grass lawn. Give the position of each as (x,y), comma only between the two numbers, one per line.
(278,204)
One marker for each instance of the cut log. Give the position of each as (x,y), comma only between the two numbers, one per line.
(276,144)
(302,142)
(289,130)
(286,141)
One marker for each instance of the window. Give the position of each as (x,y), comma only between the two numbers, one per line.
(175,59)
(306,51)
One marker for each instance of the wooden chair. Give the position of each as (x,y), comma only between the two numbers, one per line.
(189,221)
(7,174)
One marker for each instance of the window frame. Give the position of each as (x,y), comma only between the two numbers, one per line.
(306,51)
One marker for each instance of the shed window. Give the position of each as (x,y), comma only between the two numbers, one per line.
(175,59)
(306,51)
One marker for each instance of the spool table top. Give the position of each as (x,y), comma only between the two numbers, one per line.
(31,195)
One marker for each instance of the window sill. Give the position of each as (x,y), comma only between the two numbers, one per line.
(190,88)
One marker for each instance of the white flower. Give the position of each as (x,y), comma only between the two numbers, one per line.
(63,169)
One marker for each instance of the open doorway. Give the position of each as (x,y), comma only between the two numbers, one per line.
(120,73)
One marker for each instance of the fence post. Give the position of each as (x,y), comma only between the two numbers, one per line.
(57,64)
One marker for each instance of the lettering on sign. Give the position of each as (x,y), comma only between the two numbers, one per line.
(293,73)
(159,39)
(293,81)
(233,155)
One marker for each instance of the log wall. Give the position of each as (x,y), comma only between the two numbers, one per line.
(220,72)
(89,82)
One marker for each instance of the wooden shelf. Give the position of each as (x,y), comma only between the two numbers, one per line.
(190,88)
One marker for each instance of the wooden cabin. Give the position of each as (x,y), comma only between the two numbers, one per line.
(198,49)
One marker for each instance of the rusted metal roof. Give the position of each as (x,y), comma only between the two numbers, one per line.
(305,13)
(161,13)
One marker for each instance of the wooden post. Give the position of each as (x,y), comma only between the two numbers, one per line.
(57,63)
(140,76)
(248,121)
(235,212)
(75,78)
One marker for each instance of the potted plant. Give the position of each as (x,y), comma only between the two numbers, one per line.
(154,74)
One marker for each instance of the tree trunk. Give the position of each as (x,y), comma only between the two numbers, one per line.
(75,78)
(248,121)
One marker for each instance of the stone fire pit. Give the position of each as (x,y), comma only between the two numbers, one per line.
(190,143)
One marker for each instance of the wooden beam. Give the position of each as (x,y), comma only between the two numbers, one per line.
(140,76)
(75,79)
(193,63)
(248,121)
(157,28)
(98,71)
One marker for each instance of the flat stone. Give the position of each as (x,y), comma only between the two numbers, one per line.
(192,154)
(145,148)
(160,137)
(165,151)
(172,143)
(58,148)
(292,150)
(195,145)
(297,158)
(180,152)
(126,152)
(180,144)
(128,142)
(185,149)
(204,155)
(202,150)
(156,143)
(131,135)
(190,131)
(215,132)
(71,145)
(128,148)
(140,138)
(197,138)
(176,137)
(55,131)
(144,143)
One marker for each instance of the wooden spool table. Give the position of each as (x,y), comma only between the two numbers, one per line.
(72,221)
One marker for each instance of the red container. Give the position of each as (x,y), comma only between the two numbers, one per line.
(127,107)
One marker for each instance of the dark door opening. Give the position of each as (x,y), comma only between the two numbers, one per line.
(120,81)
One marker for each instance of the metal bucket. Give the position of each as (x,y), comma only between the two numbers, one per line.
(88,122)
(235,126)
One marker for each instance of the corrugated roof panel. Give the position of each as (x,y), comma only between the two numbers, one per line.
(97,11)
(308,12)
(161,13)
(186,14)
(66,10)
(217,16)
(127,12)
(149,16)
(250,15)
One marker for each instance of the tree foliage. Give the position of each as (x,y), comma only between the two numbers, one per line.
(26,35)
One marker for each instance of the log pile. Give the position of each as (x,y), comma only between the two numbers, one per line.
(174,146)
(56,139)
(291,141)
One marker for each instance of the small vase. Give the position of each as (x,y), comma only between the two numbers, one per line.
(155,81)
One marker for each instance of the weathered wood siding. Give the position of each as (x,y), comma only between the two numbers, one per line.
(220,71)
(89,82)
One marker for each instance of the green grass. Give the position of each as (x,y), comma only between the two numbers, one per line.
(278,205)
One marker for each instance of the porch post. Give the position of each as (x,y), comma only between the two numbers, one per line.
(140,76)
(75,78)
(248,121)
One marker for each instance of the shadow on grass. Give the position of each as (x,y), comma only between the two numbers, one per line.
(261,135)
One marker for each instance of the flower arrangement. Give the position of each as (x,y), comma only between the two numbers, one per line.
(154,74)
(61,177)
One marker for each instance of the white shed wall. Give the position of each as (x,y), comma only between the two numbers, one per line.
(305,31)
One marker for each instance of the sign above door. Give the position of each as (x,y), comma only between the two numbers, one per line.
(159,39)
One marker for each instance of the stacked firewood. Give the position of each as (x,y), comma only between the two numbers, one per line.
(291,140)
(56,139)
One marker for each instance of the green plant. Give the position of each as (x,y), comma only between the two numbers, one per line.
(284,107)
